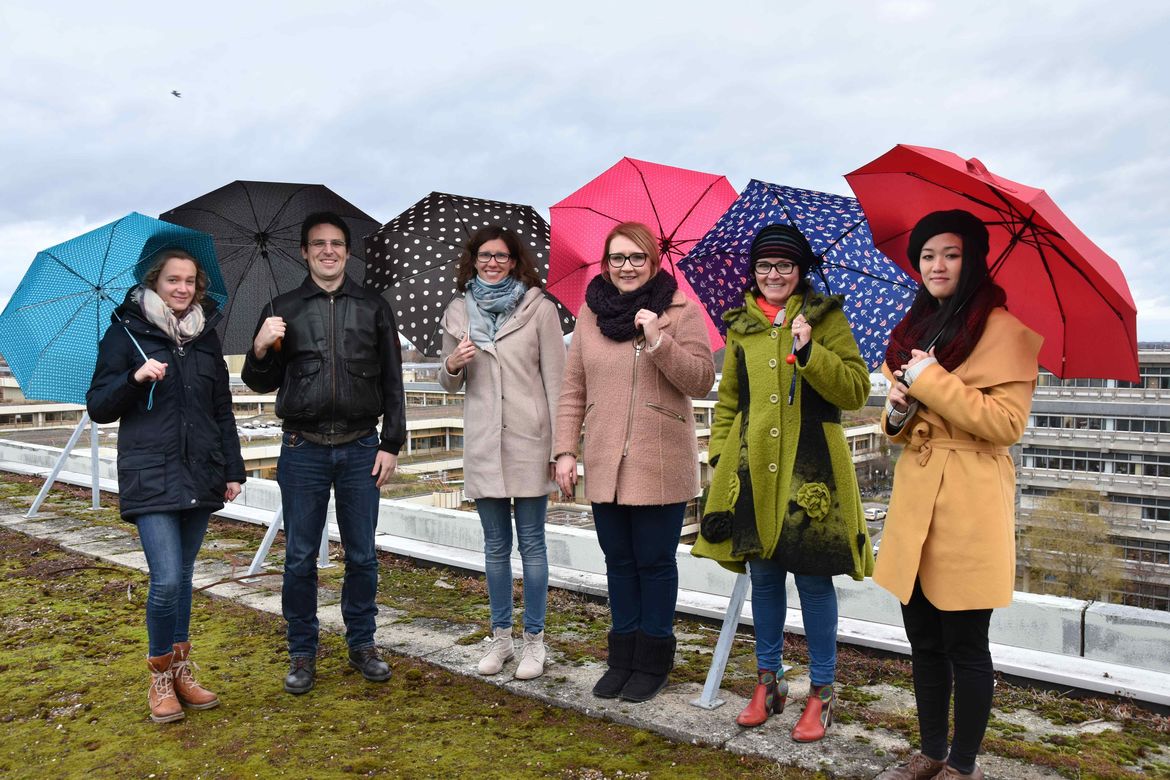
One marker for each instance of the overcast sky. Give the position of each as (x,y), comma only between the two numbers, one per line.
(387,101)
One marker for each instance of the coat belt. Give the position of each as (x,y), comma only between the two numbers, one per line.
(962,445)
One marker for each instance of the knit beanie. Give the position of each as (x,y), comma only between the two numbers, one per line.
(783,241)
(957,221)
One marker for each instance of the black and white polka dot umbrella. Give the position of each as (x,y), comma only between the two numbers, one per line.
(413,258)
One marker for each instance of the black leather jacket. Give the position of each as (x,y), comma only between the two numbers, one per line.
(339,367)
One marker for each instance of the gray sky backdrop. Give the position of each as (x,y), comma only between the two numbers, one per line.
(387,101)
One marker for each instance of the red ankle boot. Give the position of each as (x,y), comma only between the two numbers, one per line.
(768,698)
(817,715)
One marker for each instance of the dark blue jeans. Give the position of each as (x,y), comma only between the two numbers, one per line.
(306,472)
(171,540)
(495,515)
(818,606)
(640,545)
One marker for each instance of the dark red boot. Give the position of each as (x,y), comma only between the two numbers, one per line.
(768,698)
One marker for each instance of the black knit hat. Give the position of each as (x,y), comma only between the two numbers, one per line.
(783,241)
(957,221)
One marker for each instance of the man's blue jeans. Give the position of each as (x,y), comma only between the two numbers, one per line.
(641,568)
(495,515)
(171,540)
(818,607)
(305,472)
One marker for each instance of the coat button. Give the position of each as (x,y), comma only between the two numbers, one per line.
(775,333)
(193,500)
(774,432)
(774,398)
(772,363)
(772,467)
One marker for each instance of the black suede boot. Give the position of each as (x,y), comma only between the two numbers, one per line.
(653,660)
(621,658)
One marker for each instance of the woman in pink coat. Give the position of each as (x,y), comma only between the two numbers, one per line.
(640,353)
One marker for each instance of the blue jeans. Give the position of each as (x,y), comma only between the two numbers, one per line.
(640,545)
(818,606)
(495,515)
(305,473)
(171,540)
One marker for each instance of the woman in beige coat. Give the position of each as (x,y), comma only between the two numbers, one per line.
(639,354)
(962,371)
(502,342)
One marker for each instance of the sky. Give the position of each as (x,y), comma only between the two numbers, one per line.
(526,101)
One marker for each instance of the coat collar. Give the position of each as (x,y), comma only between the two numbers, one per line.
(309,288)
(750,319)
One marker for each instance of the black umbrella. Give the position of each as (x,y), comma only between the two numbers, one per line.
(412,259)
(257,230)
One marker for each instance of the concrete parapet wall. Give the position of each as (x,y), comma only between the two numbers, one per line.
(1099,633)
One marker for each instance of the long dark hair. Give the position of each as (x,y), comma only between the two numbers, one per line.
(524,269)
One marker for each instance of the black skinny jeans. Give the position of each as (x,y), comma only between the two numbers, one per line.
(950,650)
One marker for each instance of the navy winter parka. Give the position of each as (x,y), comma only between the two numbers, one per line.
(181,453)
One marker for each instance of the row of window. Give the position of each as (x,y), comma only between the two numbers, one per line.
(1086,423)
(1098,462)
(1149,377)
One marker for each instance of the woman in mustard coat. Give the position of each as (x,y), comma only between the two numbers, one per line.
(962,372)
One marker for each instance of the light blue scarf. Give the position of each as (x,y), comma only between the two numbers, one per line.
(489,306)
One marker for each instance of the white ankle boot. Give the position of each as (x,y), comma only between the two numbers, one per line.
(532,657)
(500,652)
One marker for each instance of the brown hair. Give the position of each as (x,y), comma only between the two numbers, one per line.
(522,268)
(640,235)
(162,257)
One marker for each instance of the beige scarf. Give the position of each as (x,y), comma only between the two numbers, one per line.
(179,329)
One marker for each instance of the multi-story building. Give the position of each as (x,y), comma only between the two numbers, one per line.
(1111,437)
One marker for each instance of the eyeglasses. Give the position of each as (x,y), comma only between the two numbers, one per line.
(321,243)
(764,268)
(637,260)
(483,258)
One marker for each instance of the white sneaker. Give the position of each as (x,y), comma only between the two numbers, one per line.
(499,653)
(532,657)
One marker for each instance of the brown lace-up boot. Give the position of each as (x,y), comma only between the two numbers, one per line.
(164,706)
(190,693)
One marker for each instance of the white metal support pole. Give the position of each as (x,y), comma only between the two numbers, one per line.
(93,465)
(274,527)
(36,504)
(708,700)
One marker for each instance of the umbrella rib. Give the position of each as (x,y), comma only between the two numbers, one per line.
(588,208)
(863,272)
(691,210)
(242,228)
(71,270)
(650,198)
(61,332)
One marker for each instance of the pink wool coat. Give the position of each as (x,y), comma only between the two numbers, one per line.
(510,398)
(635,403)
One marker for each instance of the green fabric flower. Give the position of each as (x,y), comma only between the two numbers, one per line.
(815,498)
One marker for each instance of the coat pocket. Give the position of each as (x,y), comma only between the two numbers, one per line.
(297,396)
(668,412)
(142,475)
(365,383)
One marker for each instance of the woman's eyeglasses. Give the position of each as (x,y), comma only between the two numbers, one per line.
(637,260)
(483,258)
(764,268)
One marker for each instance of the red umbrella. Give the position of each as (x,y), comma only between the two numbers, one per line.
(1058,282)
(678,205)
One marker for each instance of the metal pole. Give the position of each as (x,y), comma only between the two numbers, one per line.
(36,504)
(722,652)
(93,465)
(266,543)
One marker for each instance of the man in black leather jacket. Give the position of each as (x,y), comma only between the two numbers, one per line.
(330,349)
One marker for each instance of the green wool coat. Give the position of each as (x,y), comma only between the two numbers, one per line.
(784,485)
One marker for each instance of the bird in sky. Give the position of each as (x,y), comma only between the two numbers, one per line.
(176,93)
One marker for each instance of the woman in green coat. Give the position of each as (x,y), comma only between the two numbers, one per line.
(784,494)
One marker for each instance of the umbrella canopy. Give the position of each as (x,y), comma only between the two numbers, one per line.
(412,260)
(257,230)
(678,205)
(50,330)
(877,292)
(1058,282)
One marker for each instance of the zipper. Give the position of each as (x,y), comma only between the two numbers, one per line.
(667,412)
(332,366)
(638,344)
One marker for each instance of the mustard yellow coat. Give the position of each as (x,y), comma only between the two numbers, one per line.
(951,520)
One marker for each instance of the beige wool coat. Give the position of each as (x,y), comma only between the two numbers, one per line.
(951,520)
(640,446)
(510,397)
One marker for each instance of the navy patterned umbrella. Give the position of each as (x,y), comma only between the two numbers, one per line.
(257,230)
(413,258)
(877,292)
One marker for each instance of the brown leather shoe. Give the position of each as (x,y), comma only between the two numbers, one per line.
(164,706)
(919,767)
(190,693)
(950,773)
